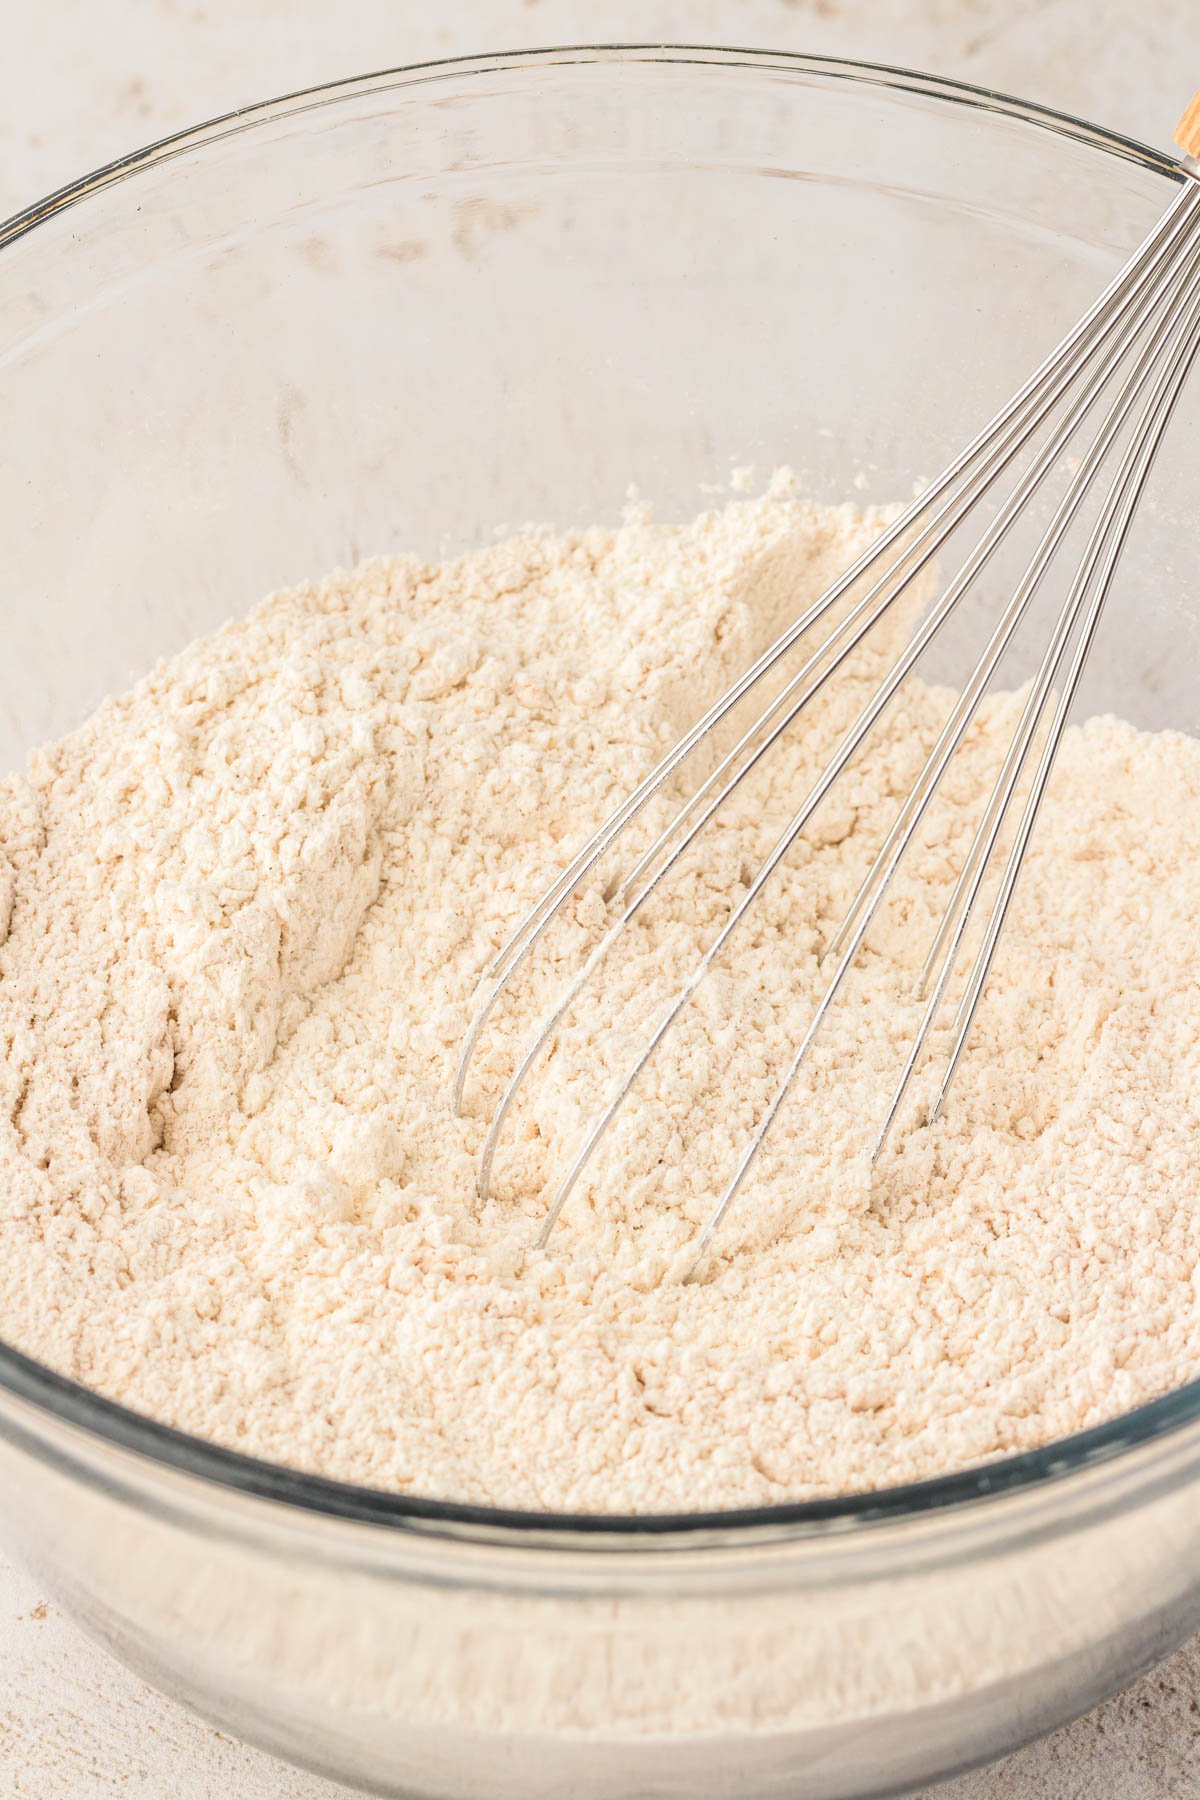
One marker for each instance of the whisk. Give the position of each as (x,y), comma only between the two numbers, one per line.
(1129,356)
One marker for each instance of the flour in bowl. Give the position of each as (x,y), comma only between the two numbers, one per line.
(245,907)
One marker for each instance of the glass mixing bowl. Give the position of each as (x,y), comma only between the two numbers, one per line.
(401,312)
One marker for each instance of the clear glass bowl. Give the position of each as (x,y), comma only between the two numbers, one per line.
(401,312)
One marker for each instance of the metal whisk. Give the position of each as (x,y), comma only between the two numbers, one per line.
(1130,353)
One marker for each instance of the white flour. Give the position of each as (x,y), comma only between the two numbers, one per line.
(246,905)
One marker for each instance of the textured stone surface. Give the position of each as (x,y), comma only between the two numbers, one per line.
(74,1725)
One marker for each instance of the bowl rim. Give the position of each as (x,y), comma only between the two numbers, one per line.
(893,76)
(80,1408)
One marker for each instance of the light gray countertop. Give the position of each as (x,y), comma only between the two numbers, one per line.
(82,81)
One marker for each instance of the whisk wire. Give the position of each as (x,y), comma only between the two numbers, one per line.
(1136,320)
(966,706)
(1053,373)
(978,858)
(944,750)
(930,541)
(1140,462)
(1142,376)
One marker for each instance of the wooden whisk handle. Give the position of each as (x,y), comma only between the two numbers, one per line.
(1187,132)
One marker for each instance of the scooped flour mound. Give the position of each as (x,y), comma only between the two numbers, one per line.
(245,908)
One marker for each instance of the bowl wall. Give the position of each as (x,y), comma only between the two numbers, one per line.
(840,1661)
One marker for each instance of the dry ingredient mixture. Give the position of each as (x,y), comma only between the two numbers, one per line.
(244,908)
